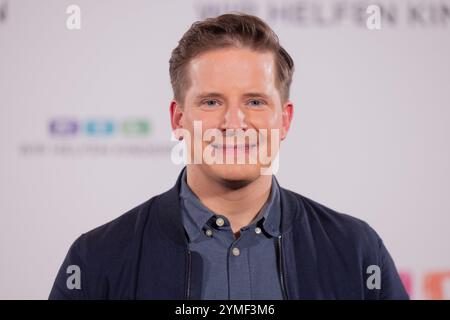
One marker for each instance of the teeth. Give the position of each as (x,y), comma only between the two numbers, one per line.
(232,146)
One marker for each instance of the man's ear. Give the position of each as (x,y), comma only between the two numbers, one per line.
(176,118)
(287,115)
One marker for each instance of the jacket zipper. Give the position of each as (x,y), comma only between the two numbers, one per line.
(188,275)
(281,269)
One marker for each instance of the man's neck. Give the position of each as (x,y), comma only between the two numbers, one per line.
(240,206)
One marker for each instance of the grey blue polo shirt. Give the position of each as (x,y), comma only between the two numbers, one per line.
(242,268)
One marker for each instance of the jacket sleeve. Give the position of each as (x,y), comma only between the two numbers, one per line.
(70,282)
(391,285)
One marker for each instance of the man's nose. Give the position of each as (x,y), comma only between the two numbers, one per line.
(234,119)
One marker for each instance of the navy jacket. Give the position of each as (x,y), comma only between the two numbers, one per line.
(143,254)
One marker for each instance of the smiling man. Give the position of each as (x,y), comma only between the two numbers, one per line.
(227,229)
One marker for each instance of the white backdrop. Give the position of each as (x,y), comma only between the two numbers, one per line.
(370,135)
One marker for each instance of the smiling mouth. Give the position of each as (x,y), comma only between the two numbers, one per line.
(229,147)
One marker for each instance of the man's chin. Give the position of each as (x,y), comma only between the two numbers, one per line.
(237,175)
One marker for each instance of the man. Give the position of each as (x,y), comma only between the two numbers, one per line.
(227,230)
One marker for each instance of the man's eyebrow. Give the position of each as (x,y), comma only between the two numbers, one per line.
(219,95)
(209,95)
(256,94)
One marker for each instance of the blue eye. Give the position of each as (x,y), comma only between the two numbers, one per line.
(210,103)
(256,103)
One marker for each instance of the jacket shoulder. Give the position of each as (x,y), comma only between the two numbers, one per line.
(332,224)
(344,249)
(118,234)
(102,254)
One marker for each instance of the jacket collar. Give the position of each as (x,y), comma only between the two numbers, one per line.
(170,218)
(196,216)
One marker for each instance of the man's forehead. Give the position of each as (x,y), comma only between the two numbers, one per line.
(232,59)
(242,68)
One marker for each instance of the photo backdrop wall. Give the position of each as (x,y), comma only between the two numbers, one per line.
(85,132)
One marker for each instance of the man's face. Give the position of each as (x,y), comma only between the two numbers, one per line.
(234,90)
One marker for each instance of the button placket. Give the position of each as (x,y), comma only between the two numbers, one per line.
(239,273)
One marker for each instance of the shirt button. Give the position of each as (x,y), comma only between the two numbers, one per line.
(220,222)
(208,233)
(235,252)
(257,230)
